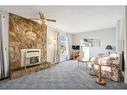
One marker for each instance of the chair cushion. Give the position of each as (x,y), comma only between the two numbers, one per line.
(94,60)
(104,61)
(114,56)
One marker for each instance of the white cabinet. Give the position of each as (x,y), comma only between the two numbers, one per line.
(84,53)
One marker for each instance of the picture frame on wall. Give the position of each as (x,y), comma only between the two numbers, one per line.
(91,42)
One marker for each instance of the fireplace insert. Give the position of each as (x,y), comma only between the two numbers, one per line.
(34,60)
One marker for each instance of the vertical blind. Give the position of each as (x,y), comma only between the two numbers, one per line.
(2,63)
(2,73)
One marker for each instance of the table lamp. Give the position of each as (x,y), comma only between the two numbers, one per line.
(108,47)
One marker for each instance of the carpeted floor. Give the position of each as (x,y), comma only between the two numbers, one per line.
(66,75)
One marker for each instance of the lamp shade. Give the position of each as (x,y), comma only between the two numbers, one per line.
(108,47)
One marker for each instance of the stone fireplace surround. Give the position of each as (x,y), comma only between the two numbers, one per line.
(26,34)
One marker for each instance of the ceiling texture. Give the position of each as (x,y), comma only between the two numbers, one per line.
(72,19)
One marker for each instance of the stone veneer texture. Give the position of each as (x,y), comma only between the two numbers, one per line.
(25,34)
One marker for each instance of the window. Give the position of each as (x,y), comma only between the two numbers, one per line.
(63,40)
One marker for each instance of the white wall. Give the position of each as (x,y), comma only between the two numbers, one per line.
(120,35)
(51,35)
(107,37)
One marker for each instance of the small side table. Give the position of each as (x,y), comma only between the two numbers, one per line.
(75,54)
(84,62)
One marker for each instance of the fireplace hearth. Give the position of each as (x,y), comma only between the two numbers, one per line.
(30,62)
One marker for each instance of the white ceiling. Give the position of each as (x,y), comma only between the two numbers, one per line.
(73,19)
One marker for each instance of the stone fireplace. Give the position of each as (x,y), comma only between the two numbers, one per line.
(27,35)
(27,46)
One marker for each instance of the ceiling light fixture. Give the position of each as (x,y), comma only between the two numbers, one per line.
(45,23)
(39,22)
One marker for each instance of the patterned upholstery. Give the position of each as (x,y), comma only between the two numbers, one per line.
(111,71)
